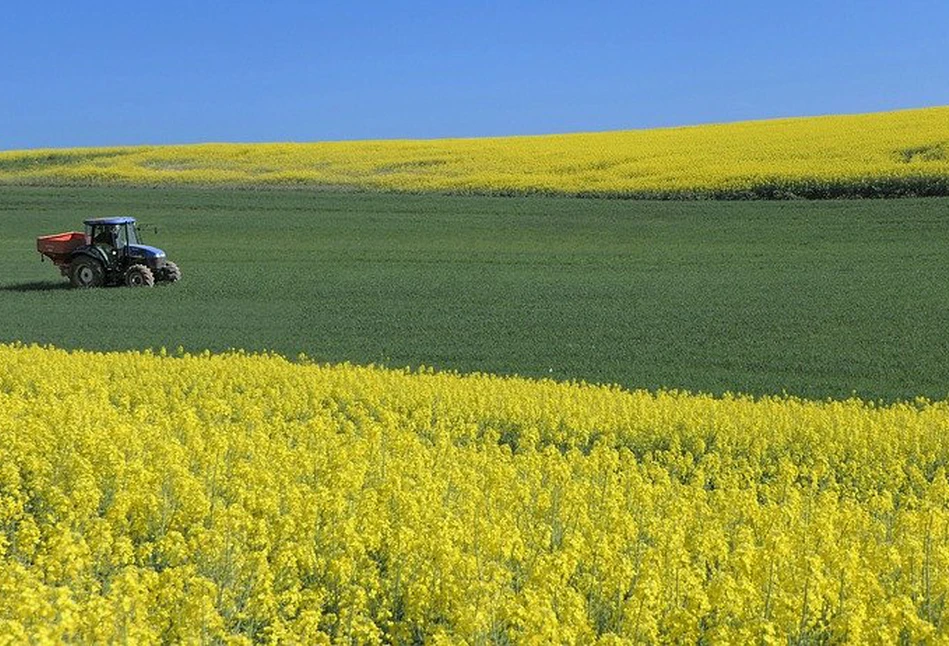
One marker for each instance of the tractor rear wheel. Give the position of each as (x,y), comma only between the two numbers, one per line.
(139,276)
(171,273)
(86,272)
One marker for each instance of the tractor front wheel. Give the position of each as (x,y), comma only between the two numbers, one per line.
(139,276)
(86,272)
(171,273)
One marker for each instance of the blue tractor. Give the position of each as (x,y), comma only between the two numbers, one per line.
(109,252)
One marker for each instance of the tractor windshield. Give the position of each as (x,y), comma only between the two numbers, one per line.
(127,235)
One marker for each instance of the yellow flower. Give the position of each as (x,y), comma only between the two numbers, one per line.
(241,499)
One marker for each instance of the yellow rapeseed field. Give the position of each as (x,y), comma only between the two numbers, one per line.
(235,498)
(882,154)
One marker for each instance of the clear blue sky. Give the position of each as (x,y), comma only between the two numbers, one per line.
(103,73)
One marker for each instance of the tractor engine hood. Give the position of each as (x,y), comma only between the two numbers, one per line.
(153,256)
(145,251)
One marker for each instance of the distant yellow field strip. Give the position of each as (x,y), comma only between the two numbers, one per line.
(891,153)
(242,499)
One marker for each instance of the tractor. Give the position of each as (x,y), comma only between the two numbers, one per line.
(109,252)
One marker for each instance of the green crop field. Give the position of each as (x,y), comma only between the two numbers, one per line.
(819,299)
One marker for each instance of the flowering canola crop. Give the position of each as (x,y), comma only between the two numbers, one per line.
(239,498)
(882,154)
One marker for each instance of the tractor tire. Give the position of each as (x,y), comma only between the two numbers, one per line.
(86,272)
(171,273)
(139,276)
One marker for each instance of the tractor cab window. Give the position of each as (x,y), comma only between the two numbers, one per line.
(103,236)
(121,238)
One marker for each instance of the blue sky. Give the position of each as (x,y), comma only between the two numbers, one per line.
(109,73)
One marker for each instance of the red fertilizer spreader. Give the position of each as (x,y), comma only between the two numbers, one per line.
(59,247)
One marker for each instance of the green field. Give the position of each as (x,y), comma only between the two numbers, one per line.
(819,299)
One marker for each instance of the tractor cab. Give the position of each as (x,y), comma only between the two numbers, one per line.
(120,237)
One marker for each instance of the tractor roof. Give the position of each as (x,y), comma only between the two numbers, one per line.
(123,219)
